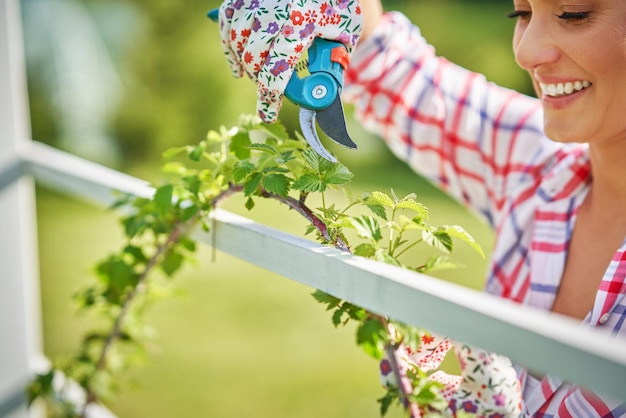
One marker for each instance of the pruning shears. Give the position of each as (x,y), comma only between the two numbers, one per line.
(316,86)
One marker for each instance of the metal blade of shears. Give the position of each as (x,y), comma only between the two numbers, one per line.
(307,124)
(333,122)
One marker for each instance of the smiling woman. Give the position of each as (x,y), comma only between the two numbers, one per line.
(237,327)
(566,50)
(547,173)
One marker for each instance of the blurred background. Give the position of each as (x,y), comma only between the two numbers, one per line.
(120,81)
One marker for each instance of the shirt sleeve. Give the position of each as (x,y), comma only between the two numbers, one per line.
(473,139)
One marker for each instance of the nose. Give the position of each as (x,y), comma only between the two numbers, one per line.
(535,43)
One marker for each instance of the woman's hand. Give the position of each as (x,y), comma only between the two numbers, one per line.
(265,38)
(488,383)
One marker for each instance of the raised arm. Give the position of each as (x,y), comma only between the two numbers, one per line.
(475,140)
(372,13)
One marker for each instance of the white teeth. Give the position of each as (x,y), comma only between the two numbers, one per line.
(561,89)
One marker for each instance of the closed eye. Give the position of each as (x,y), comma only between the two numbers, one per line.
(574,17)
(519,14)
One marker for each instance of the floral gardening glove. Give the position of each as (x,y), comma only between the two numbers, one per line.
(487,388)
(265,38)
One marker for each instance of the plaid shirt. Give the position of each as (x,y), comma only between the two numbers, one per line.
(485,145)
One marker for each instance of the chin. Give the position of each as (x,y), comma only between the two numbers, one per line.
(564,133)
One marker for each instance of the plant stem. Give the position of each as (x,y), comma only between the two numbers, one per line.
(391,249)
(343,212)
(408,247)
(116,329)
(404,384)
(405,387)
(307,213)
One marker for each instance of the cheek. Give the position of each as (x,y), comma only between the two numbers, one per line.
(517,36)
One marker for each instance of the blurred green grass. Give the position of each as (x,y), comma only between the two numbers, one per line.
(238,340)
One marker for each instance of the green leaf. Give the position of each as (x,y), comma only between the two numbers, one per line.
(386,401)
(395,197)
(378,210)
(136,253)
(189,212)
(241,170)
(437,262)
(195,153)
(324,298)
(268,149)
(252,183)
(172,152)
(338,316)
(276,130)
(275,169)
(187,243)
(410,336)
(459,232)
(430,395)
(163,199)
(41,386)
(412,224)
(438,239)
(355,312)
(117,277)
(384,257)
(284,157)
(171,262)
(174,167)
(365,250)
(366,227)
(214,136)
(313,159)
(309,183)
(114,271)
(420,209)
(372,336)
(249,203)
(240,145)
(192,183)
(338,174)
(379,198)
(277,183)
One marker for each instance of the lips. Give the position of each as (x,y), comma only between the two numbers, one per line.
(563,89)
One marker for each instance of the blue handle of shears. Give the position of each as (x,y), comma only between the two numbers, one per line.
(317,86)
(214,14)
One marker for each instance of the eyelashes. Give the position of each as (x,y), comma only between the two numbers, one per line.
(573,17)
(517,13)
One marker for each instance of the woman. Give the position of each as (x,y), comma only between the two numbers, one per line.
(547,173)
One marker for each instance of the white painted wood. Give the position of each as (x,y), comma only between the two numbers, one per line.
(81,178)
(20,331)
(540,340)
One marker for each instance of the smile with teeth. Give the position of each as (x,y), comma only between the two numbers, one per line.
(562,89)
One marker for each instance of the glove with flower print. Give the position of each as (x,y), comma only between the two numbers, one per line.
(488,386)
(265,38)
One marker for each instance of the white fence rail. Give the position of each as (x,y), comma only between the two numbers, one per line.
(541,341)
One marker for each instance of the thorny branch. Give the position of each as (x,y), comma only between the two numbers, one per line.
(116,329)
(298,205)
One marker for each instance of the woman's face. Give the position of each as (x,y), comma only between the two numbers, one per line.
(575,53)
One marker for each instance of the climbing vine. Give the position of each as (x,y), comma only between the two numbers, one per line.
(259,161)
